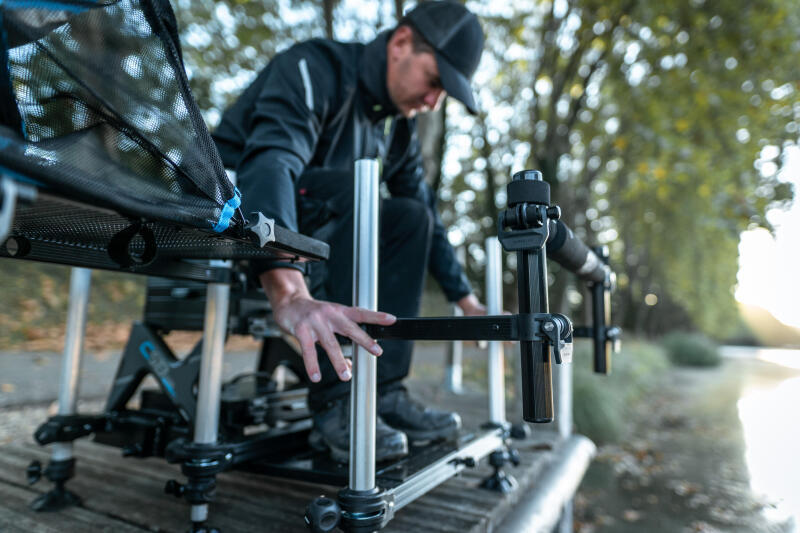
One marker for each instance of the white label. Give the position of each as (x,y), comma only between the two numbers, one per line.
(566,352)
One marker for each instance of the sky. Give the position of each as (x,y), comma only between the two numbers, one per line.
(769,267)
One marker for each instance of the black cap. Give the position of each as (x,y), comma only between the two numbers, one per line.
(457,39)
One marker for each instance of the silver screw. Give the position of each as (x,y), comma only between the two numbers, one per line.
(548,326)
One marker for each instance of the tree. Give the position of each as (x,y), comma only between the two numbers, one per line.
(647,120)
(226,43)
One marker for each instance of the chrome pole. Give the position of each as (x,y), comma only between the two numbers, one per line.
(563,398)
(363,390)
(209,385)
(453,371)
(210,382)
(79,286)
(494,306)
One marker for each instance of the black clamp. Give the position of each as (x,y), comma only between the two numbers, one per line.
(500,481)
(200,463)
(556,329)
(67,428)
(365,511)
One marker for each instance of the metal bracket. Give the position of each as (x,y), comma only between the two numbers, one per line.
(519,327)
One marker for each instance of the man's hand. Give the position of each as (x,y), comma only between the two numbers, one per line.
(313,321)
(471,305)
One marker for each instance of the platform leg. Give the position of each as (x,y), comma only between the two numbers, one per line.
(565,522)
(362,504)
(454,369)
(62,462)
(363,390)
(563,399)
(494,305)
(210,386)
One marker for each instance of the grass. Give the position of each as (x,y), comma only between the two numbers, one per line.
(691,349)
(604,405)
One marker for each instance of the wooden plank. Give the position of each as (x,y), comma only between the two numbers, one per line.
(16,516)
(130,491)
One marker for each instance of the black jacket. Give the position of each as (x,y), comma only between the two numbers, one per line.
(322,105)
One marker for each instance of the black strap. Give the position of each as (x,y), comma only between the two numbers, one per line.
(119,246)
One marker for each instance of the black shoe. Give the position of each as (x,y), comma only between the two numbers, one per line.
(420,423)
(331,431)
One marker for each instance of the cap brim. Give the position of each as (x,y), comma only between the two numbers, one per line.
(456,84)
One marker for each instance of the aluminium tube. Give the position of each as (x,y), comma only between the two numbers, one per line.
(454,369)
(563,399)
(210,381)
(209,384)
(363,389)
(494,304)
(79,286)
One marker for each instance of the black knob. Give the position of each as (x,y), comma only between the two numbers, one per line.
(260,229)
(174,488)
(323,515)
(513,456)
(554,212)
(132,450)
(202,528)
(527,175)
(497,458)
(469,462)
(520,431)
(34,472)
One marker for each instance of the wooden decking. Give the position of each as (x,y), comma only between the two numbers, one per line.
(125,494)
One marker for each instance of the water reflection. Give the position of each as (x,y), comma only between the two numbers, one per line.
(771,422)
(787,358)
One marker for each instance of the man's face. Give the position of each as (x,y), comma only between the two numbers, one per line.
(412,79)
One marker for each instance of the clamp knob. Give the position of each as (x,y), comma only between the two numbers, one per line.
(34,472)
(323,515)
(174,488)
(554,212)
(261,229)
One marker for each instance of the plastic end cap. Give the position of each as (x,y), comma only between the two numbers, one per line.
(528,175)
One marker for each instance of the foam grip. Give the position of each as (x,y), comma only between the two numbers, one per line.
(566,249)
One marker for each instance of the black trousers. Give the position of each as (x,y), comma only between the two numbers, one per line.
(326,213)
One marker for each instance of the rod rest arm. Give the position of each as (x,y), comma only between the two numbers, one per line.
(554,329)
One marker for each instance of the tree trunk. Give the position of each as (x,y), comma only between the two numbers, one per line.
(431,130)
(327,9)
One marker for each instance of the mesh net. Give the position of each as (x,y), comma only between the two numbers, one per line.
(95,106)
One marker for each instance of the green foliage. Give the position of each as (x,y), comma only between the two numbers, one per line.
(603,406)
(691,349)
(661,126)
(226,43)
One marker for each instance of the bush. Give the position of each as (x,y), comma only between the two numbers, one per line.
(604,406)
(691,349)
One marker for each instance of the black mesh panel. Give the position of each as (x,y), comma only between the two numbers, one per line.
(106,113)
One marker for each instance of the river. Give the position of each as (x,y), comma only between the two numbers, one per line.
(714,450)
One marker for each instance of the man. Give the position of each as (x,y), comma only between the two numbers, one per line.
(293,137)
